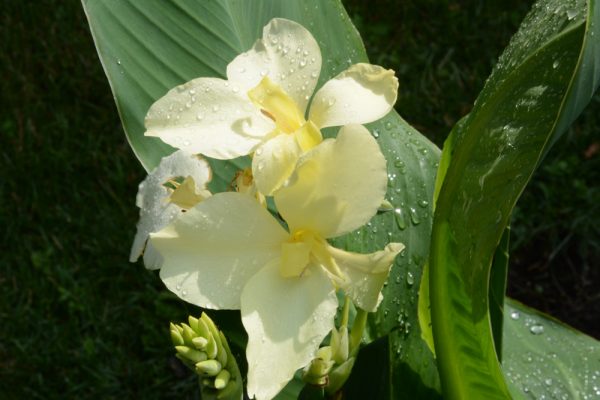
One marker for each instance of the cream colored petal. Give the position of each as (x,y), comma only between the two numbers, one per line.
(156,211)
(337,186)
(366,273)
(286,320)
(363,93)
(274,162)
(212,250)
(208,116)
(288,54)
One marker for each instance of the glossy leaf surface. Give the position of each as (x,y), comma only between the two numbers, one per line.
(540,84)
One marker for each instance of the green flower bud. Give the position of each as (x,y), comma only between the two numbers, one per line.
(176,337)
(222,379)
(193,322)
(317,370)
(200,342)
(211,347)
(188,335)
(202,329)
(209,367)
(339,375)
(340,345)
(191,355)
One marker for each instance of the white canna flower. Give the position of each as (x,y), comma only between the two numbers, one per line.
(176,185)
(229,252)
(262,106)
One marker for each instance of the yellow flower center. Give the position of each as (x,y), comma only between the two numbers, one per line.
(302,248)
(277,105)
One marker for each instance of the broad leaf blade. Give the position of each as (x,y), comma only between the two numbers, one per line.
(544,358)
(495,152)
(148,48)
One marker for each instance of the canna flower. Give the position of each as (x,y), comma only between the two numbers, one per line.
(262,107)
(176,185)
(229,252)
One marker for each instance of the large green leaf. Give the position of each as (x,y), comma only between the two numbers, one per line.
(149,47)
(545,359)
(540,84)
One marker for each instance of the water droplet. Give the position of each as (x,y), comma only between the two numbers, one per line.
(399,164)
(192,92)
(400,220)
(536,329)
(410,279)
(314,74)
(388,125)
(261,165)
(274,39)
(555,64)
(515,315)
(183,293)
(302,63)
(259,151)
(215,108)
(423,203)
(178,287)
(118,61)
(375,133)
(331,101)
(242,70)
(414,216)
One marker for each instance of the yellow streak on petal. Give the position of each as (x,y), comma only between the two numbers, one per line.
(276,104)
(308,136)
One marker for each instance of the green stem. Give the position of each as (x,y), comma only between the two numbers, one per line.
(358,327)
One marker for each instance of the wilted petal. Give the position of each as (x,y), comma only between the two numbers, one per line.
(366,273)
(286,320)
(288,54)
(337,186)
(208,116)
(274,162)
(363,93)
(212,250)
(156,211)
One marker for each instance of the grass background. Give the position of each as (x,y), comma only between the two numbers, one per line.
(78,321)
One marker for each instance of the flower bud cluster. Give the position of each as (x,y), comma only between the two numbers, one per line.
(204,349)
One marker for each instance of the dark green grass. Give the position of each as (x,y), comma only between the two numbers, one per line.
(78,321)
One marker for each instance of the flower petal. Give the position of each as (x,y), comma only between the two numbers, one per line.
(288,54)
(286,320)
(212,250)
(337,186)
(366,273)
(363,93)
(274,162)
(208,116)
(156,211)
